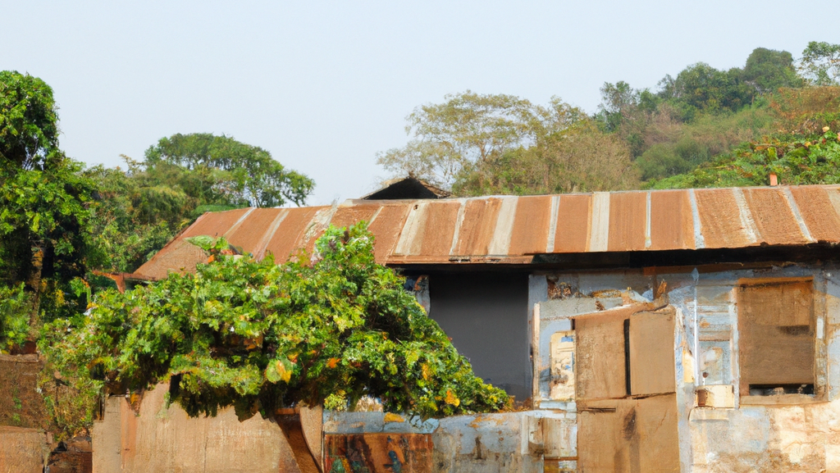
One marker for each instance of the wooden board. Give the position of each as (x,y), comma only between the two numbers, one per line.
(629,435)
(600,365)
(652,368)
(378,453)
(777,334)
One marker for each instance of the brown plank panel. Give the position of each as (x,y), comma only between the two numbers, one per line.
(652,368)
(656,434)
(720,219)
(629,435)
(600,364)
(214,224)
(671,221)
(628,221)
(574,217)
(530,225)
(773,217)
(599,436)
(249,234)
(776,339)
(285,242)
(386,228)
(477,227)
(816,210)
(438,228)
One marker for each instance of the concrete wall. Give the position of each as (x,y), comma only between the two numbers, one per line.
(486,315)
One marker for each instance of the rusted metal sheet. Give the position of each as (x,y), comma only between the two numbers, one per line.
(529,234)
(773,217)
(477,226)
(250,236)
(284,243)
(721,219)
(817,212)
(386,227)
(214,224)
(627,229)
(671,220)
(573,220)
(510,230)
(378,453)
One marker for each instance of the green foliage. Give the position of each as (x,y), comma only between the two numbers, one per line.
(141,208)
(467,128)
(702,88)
(768,70)
(577,158)
(820,63)
(28,121)
(229,172)
(260,336)
(15,311)
(477,144)
(795,160)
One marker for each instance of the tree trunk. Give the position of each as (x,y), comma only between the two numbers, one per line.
(302,430)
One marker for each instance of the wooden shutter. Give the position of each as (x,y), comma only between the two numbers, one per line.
(776,330)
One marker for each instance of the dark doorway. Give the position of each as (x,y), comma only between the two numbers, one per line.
(486,315)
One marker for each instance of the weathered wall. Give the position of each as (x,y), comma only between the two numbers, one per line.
(740,433)
(162,440)
(528,441)
(22,450)
(486,315)
(20,404)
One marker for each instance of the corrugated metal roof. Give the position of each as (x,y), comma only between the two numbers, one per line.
(508,229)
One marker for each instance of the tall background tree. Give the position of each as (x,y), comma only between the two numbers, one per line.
(476,144)
(146,204)
(45,220)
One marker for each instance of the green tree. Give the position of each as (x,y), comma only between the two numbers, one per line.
(44,205)
(28,121)
(701,87)
(768,70)
(576,158)
(219,169)
(468,128)
(260,336)
(134,218)
(820,63)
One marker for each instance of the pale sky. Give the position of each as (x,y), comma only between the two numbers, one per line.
(325,85)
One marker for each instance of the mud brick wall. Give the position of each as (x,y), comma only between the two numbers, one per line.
(20,403)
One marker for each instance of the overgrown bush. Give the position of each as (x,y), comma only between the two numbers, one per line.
(260,336)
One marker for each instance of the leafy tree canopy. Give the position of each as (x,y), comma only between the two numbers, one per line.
(28,120)
(228,171)
(476,144)
(44,211)
(768,70)
(260,336)
(820,63)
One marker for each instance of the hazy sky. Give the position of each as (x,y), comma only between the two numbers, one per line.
(325,85)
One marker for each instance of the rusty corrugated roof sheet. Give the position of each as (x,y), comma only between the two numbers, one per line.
(508,229)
